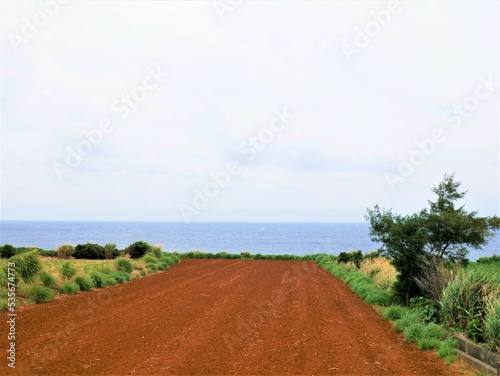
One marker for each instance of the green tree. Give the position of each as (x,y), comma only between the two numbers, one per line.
(440,231)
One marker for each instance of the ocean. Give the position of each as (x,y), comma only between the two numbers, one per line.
(265,238)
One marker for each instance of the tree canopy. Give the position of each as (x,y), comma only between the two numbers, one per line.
(441,231)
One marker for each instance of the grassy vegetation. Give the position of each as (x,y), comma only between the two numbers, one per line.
(470,302)
(40,279)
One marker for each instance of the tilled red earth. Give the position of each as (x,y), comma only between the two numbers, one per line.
(216,317)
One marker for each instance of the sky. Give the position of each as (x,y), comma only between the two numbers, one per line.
(283,111)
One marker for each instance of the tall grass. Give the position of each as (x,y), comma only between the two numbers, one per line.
(464,302)
(27,265)
(380,269)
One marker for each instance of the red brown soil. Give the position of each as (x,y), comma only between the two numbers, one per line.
(216,317)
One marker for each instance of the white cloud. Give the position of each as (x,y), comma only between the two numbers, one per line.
(352,120)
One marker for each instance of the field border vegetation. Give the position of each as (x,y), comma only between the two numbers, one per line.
(42,275)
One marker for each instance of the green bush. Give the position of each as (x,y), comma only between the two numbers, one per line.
(143,272)
(65,251)
(120,277)
(98,279)
(156,251)
(152,267)
(7,251)
(109,280)
(39,294)
(84,284)
(354,257)
(27,265)
(110,251)
(394,312)
(488,260)
(138,249)
(47,279)
(124,265)
(67,270)
(150,259)
(246,255)
(163,265)
(89,251)
(69,288)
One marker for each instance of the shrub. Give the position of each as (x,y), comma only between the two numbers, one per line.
(7,251)
(39,294)
(67,270)
(163,265)
(394,312)
(89,251)
(120,277)
(124,265)
(27,265)
(352,256)
(143,272)
(84,284)
(138,249)
(65,251)
(109,280)
(380,269)
(152,267)
(98,279)
(110,251)
(69,288)
(150,259)
(246,255)
(488,260)
(47,279)
(156,251)
(448,350)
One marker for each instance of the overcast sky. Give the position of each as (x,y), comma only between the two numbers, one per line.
(314,105)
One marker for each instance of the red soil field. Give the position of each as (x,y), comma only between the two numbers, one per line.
(213,317)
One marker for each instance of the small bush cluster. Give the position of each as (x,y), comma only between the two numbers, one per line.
(65,251)
(7,251)
(353,256)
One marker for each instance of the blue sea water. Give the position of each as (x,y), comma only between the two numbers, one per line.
(265,238)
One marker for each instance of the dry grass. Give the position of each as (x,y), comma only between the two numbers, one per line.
(383,273)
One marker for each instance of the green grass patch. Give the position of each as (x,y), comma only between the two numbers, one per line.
(123,265)
(84,284)
(48,280)
(69,288)
(38,294)
(67,270)
(394,312)
(448,350)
